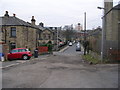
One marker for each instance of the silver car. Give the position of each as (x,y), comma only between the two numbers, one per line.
(78,47)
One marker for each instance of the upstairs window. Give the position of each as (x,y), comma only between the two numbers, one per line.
(13,31)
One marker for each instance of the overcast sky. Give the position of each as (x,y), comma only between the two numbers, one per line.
(56,12)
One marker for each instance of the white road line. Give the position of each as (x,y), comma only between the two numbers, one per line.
(20,61)
(9,65)
(17,63)
(43,58)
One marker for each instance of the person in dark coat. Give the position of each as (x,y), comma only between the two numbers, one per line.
(36,53)
(86,47)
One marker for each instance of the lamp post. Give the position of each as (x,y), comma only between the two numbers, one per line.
(85,48)
(85,26)
(103,34)
(57,39)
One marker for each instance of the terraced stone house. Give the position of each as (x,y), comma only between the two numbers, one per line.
(16,33)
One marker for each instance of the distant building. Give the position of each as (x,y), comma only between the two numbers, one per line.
(68,27)
(46,35)
(78,27)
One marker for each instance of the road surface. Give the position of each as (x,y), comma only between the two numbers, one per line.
(61,70)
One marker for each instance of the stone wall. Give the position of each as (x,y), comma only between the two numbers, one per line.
(25,37)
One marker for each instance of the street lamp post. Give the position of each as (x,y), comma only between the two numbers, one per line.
(103,39)
(85,34)
(84,26)
(103,34)
(57,39)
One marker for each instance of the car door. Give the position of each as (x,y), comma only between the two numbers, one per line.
(21,52)
(13,54)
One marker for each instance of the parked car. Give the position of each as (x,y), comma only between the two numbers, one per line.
(70,43)
(78,47)
(19,53)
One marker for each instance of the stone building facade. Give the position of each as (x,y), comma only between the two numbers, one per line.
(46,36)
(17,33)
(112,27)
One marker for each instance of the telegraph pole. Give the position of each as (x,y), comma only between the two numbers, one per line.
(84,26)
(57,39)
(84,33)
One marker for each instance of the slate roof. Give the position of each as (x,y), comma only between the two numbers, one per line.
(13,21)
(38,26)
(117,7)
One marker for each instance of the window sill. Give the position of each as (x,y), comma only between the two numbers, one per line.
(13,37)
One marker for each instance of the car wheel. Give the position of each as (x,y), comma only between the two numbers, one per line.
(25,57)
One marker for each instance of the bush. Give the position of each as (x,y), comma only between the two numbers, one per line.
(90,58)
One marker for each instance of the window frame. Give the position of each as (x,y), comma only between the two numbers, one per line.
(13,32)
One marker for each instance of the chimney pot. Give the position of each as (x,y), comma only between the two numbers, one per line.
(14,15)
(33,20)
(6,14)
(32,17)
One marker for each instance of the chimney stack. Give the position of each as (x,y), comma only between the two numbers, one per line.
(14,15)
(6,14)
(33,20)
(41,24)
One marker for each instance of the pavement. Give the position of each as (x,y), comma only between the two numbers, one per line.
(7,64)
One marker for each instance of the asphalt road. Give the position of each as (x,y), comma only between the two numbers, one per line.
(61,70)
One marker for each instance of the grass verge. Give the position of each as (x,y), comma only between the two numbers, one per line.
(90,58)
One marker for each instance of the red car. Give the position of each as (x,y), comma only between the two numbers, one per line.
(19,53)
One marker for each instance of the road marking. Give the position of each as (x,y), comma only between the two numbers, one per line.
(43,58)
(63,49)
(9,65)
(18,62)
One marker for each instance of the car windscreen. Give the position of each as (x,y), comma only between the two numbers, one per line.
(14,51)
(22,50)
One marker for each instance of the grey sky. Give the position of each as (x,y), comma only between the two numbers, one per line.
(56,12)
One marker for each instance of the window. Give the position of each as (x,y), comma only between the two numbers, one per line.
(13,31)
(14,51)
(49,36)
(22,50)
(44,36)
